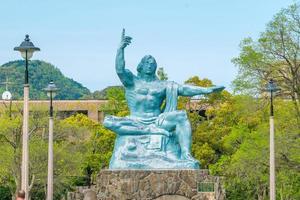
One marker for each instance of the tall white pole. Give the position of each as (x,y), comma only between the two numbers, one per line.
(272,160)
(26,47)
(25,147)
(272,146)
(50,161)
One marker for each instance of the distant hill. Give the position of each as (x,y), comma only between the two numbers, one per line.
(100,95)
(40,74)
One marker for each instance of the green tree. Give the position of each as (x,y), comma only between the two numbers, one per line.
(162,75)
(245,148)
(206,145)
(98,146)
(245,161)
(69,142)
(117,104)
(274,55)
(10,140)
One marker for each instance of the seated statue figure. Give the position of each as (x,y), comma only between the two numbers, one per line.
(151,137)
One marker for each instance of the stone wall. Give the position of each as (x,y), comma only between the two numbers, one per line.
(153,184)
(81,193)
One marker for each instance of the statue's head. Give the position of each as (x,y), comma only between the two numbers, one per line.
(147,66)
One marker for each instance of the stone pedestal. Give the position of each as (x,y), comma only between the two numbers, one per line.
(156,184)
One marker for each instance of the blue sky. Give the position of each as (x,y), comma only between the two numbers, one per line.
(187,37)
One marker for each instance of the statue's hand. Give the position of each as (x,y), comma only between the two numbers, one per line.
(217,88)
(125,40)
(159,131)
(166,133)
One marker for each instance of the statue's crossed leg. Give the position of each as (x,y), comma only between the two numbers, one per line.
(165,124)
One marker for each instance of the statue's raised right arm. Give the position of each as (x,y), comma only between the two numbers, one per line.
(125,75)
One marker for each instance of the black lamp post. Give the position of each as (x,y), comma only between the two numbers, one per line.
(26,49)
(51,90)
(272,88)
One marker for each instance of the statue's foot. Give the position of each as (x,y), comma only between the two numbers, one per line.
(131,146)
(188,156)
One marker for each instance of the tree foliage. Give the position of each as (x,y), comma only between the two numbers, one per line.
(117,104)
(69,142)
(244,163)
(162,75)
(100,95)
(274,55)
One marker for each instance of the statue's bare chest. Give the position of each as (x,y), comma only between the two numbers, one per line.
(147,93)
(149,89)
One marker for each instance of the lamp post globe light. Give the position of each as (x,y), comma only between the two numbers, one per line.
(272,88)
(26,49)
(6,96)
(51,90)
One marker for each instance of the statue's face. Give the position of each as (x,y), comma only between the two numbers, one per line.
(149,66)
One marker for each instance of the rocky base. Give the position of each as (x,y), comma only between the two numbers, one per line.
(155,184)
(80,193)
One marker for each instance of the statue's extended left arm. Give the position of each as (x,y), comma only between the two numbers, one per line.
(190,90)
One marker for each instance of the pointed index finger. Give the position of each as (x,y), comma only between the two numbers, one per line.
(123,33)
